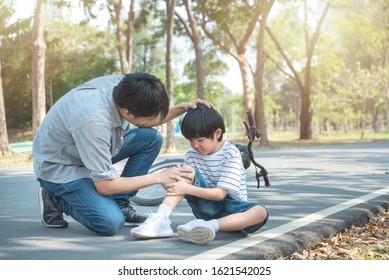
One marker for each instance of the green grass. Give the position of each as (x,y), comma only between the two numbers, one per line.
(17,159)
(290,140)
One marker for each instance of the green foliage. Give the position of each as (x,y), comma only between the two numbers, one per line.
(364,33)
(16,63)
(75,54)
(6,11)
(349,68)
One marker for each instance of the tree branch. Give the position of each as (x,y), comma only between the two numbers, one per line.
(288,62)
(183,22)
(279,67)
(317,31)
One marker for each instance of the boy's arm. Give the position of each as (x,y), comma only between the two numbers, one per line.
(181,187)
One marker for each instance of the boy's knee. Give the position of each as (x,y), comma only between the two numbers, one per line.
(262,213)
(262,216)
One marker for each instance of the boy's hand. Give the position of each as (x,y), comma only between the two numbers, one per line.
(165,176)
(179,187)
(185,172)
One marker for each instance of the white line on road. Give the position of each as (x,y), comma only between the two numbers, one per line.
(252,240)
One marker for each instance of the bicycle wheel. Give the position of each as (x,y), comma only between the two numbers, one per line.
(154,194)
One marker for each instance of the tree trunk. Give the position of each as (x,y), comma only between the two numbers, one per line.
(240,41)
(304,86)
(170,4)
(245,72)
(305,115)
(195,36)
(117,5)
(38,68)
(51,95)
(5,149)
(130,22)
(259,111)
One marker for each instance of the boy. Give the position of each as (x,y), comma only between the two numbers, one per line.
(217,194)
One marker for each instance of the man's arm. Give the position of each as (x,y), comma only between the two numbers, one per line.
(128,184)
(125,184)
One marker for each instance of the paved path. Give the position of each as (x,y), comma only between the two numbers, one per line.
(315,193)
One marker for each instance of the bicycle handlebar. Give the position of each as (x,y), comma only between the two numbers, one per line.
(252,133)
(267,181)
(250,118)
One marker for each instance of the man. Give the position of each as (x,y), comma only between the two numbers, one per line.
(85,133)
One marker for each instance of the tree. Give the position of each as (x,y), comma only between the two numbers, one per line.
(5,149)
(259,107)
(127,29)
(38,68)
(230,34)
(124,49)
(304,83)
(192,30)
(76,53)
(170,5)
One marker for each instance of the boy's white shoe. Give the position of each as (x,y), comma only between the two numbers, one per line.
(155,226)
(196,231)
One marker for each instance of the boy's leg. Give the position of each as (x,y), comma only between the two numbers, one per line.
(248,221)
(141,147)
(257,226)
(157,225)
(204,228)
(228,215)
(201,232)
(202,208)
(80,200)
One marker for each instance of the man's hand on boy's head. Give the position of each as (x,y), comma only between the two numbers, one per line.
(193,104)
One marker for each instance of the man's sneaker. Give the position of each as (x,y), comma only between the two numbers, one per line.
(155,226)
(51,216)
(198,232)
(132,218)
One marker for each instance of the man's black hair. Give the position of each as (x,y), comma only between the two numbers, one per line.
(142,94)
(202,122)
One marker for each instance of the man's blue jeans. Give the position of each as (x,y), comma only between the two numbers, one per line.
(102,214)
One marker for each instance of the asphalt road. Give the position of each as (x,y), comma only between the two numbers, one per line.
(315,193)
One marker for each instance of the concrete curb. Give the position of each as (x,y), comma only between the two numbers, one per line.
(304,237)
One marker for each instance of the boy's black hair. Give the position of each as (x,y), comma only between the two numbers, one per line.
(142,94)
(202,122)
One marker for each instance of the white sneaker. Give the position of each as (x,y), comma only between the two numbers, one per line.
(155,226)
(196,231)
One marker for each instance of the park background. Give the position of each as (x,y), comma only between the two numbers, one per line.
(313,72)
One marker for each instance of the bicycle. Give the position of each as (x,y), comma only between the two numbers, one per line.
(153,195)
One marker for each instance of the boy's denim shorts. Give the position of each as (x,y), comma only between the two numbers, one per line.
(208,209)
